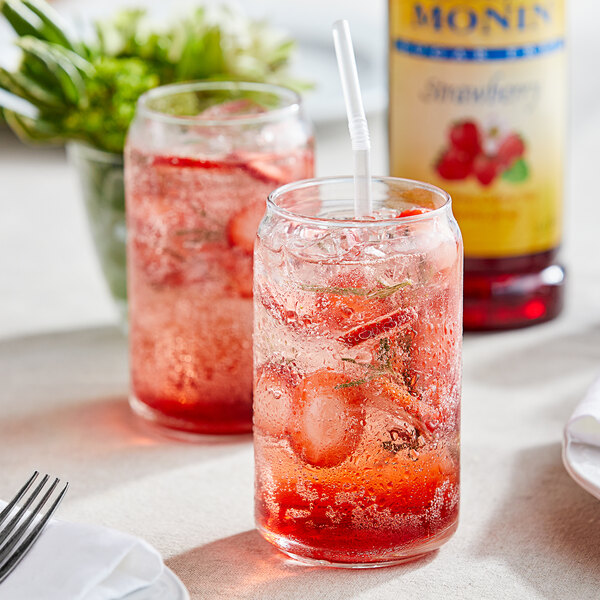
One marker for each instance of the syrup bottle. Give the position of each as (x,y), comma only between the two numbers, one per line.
(478,107)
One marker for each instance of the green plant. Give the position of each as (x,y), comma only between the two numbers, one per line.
(66,88)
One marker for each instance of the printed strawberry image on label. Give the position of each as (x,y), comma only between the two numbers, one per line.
(473,151)
(477,107)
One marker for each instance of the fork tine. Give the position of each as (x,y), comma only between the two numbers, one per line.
(28,542)
(8,508)
(20,532)
(15,520)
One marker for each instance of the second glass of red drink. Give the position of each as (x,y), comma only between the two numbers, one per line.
(201,159)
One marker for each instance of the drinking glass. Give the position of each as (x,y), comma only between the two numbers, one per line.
(200,161)
(357,372)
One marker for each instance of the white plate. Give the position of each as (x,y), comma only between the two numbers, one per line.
(581,442)
(168,587)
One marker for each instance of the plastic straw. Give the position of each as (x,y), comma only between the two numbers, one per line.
(357,122)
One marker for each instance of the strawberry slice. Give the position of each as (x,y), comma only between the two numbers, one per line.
(242,227)
(267,172)
(413,212)
(273,393)
(371,329)
(339,309)
(326,425)
(338,312)
(183,162)
(345,302)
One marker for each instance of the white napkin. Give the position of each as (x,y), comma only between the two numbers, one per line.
(71,561)
(581,444)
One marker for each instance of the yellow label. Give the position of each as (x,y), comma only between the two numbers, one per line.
(477,107)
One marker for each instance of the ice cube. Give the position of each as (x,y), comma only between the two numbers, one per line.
(327,420)
(273,397)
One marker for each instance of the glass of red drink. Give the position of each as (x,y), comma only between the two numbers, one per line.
(200,161)
(357,372)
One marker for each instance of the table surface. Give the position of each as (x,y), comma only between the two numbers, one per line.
(527,530)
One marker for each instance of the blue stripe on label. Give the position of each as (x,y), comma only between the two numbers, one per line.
(479,54)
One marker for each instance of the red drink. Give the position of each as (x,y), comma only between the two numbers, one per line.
(357,373)
(192,215)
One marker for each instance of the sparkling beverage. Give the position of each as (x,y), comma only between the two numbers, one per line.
(194,201)
(357,373)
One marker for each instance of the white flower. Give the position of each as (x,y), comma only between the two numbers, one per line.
(494,130)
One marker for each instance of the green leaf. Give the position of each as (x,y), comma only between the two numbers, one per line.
(67,67)
(54,28)
(21,19)
(8,83)
(60,53)
(387,290)
(350,384)
(518,173)
(201,57)
(282,53)
(32,130)
(13,102)
(23,86)
(36,19)
(88,91)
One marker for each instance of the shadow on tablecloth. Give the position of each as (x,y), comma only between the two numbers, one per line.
(246,566)
(63,409)
(547,529)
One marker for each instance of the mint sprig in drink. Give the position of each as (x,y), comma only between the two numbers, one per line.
(201,160)
(357,357)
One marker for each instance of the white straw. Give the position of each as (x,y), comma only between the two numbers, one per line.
(357,122)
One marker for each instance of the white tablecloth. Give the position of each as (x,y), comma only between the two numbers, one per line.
(527,530)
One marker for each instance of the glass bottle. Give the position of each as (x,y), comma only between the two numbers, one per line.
(477,106)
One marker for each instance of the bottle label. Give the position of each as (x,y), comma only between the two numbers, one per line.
(477,107)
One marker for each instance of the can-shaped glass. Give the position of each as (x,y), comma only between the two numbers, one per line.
(357,372)
(200,161)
